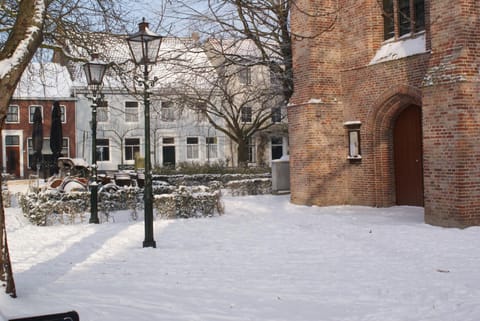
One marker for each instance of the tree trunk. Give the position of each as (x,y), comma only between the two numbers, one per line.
(22,43)
(242,153)
(20,47)
(6,274)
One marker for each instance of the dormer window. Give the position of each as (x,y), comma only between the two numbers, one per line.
(245,76)
(246,114)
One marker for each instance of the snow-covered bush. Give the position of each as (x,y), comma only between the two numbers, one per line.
(188,202)
(256,186)
(126,198)
(177,196)
(236,184)
(204,179)
(51,207)
(6,198)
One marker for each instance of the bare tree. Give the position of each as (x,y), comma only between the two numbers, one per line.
(236,99)
(255,36)
(266,23)
(26,26)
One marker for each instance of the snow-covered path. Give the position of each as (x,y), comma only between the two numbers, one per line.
(265,259)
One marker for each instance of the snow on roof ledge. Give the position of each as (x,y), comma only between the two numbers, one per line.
(404,47)
(352,123)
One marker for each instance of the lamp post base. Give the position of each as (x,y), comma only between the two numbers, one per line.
(150,244)
(94,204)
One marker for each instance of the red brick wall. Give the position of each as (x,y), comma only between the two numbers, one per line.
(68,128)
(451,116)
(315,122)
(335,84)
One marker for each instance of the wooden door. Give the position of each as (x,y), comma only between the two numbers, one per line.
(168,155)
(13,160)
(408,157)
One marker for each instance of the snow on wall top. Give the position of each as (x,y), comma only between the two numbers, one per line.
(393,50)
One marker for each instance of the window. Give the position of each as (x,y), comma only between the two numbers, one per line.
(251,150)
(167,111)
(102,111)
(192,147)
(131,111)
(410,17)
(201,109)
(211,146)
(65,149)
(246,114)
(276,115)
(275,79)
(103,150)
(46,151)
(31,112)
(277,147)
(245,76)
(132,148)
(168,141)
(13,114)
(12,140)
(63,114)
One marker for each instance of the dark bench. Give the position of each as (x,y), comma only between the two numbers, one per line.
(66,316)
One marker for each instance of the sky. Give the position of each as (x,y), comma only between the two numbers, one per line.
(170,24)
(264,259)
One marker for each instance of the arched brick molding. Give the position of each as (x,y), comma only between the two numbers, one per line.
(387,107)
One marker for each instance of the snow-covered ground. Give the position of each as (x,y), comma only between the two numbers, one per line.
(263,260)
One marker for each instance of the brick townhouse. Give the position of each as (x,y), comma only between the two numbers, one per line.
(386,109)
(39,87)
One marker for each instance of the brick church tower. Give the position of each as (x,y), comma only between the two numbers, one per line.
(386,109)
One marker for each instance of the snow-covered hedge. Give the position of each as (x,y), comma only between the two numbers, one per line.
(48,208)
(6,198)
(206,179)
(202,197)
(52,207)
(256,186)
(188,202)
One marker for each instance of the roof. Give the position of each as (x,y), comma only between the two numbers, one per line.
(44,81)
(178,58)
(244,48)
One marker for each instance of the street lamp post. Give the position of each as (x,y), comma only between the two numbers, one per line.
(94,72)
(144,46)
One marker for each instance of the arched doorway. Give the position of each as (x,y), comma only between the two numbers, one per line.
(408,157)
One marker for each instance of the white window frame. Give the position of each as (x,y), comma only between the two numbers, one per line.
(131,112)
(100,148)
(192,148)
(246,114)
(274,144)
(106,112)
(252,150)
(245,75)
(167,111)
(63,113)
(132,146)
(8,113)
(211,149)
(31,111)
